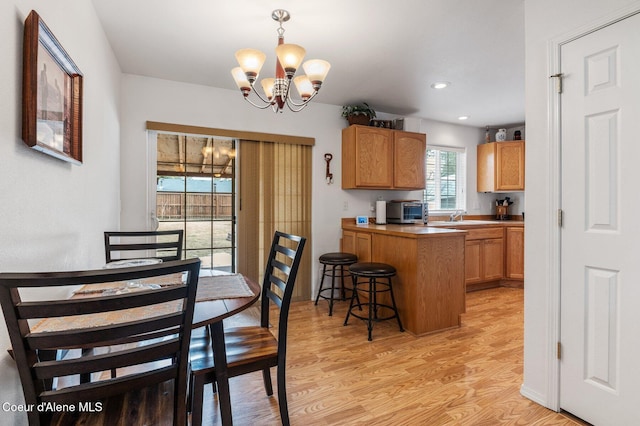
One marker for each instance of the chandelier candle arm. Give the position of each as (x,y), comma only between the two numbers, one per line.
(278,90)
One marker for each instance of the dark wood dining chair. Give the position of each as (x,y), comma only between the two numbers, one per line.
(255,348)
(144,333)
(166,245)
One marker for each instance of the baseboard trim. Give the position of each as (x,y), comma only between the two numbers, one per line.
(534,396)
(494,284)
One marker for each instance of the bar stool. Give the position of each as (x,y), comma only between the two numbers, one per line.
(334,261)
(374,274)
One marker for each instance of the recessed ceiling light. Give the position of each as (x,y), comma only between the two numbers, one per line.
(440,85)
(463,117)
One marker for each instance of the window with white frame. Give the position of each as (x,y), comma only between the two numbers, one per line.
(446,179)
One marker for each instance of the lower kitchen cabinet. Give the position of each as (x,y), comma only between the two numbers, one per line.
(484,256)
(358,243)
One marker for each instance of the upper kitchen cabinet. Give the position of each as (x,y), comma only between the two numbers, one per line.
(377,158)
(501,166)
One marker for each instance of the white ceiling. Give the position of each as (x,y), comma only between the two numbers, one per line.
(386,53)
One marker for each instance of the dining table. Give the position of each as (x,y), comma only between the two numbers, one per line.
(219,296)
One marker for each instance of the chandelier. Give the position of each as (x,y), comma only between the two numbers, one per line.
(277,91)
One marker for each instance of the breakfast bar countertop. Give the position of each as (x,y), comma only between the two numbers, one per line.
(437,228)
(406,231)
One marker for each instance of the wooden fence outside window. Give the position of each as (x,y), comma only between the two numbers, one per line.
(178,205)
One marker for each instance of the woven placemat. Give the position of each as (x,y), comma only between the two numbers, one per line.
(222,287)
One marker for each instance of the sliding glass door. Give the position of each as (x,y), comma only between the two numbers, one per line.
(196,192)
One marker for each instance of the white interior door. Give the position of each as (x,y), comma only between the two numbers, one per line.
(600,238)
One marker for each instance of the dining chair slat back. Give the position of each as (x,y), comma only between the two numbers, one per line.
(255,348)
(57,340)
(165,245)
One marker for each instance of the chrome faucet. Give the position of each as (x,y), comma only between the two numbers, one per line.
(454,215)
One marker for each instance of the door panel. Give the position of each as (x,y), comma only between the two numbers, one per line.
(600,238)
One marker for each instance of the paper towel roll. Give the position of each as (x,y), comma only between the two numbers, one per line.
(381,212)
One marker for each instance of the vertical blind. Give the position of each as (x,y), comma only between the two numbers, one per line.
(275,195)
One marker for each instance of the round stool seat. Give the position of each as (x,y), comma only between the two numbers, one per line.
(370,269)
(338,258)
(334,265)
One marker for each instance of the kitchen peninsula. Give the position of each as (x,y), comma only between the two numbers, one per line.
(430,283)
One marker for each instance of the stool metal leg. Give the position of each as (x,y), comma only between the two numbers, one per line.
(344,296)
(333,286)
(353,296)
(372,306)
(375,298)
(354,292)
(324,270)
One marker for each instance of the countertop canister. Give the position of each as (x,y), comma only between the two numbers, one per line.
(381,212)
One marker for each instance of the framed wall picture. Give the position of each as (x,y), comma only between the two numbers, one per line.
(51,94)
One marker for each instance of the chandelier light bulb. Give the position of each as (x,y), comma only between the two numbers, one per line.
(267,86)
(290,57)
(440,85)
(241,79)
(251,61)
(304,86)
(316,70)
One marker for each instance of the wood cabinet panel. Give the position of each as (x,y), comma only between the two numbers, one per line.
(514,268)
(409,150)
(484,233)
(373,160)
(472,262)
(486,166)
(493,262)
(367,157)
(363,247)
(510,166)
(348,242)
(358,243)
(500,166)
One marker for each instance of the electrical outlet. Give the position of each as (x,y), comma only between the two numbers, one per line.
(345,206)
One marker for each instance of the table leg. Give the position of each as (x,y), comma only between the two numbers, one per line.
(222,375)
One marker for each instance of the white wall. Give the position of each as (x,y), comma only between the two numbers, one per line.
(545,20)
(53,213)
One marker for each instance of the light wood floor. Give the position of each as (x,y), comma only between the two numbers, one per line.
(465,376)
